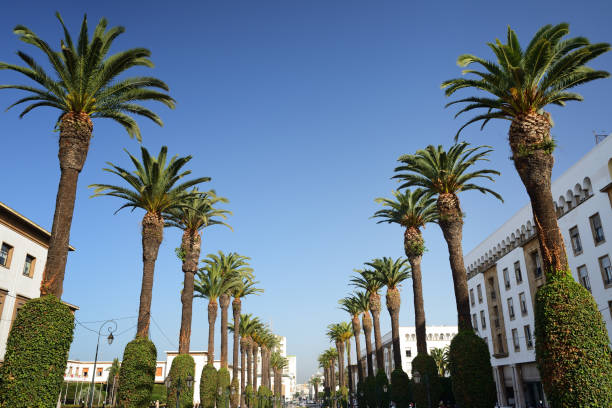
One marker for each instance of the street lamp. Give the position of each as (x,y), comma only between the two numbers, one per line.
(417,379)
(111,326)
(188,382)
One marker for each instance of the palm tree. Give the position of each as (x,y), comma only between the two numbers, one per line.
(199,213)
(392,273)
(315,382)
(412,210)
(246,326)
(234,268)
(271,343)
(444,175)
(367,281)
(83,86)
(152,186)
(350,304)
(211,284)
(346,332)
(335,333)
(440,356)
(257,339)
(278,363)
(521,84)
(362,301)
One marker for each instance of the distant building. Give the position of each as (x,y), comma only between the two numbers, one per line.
(23,254)
(505,271)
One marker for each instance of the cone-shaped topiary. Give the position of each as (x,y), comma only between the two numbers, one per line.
(447,391)
(235,393)
(471,372)
(427,368)
(38,343)
(137,373)
(361,394)
(182,366)
(208,386)
(249,396)
(382,390)
(370,391)
(223,388)
(568,382)
(264,397)
(401,388)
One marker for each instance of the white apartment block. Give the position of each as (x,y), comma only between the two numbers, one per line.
(504,272)
(23,253)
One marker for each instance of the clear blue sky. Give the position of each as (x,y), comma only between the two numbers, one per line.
(298,111)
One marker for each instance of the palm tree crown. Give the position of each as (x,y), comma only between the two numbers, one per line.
(86,77)
(411,208)
(199,213)
(525,81)
(211,282)
(230,265)
(366,280)
(389,272)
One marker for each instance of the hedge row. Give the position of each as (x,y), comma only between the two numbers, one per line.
(137,374)
(182,366)
(208,386)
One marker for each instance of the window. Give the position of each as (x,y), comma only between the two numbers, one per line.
(408,352)
(483,321)
(6,253)
(85,372)
(517,272)
(528,339)
(158,371)
(515,340)
(500,343)
(523,302)
(535,258)
(606,270)
(472,301)
(99,372)
(28,267)
(583,276)
(575,238)
(506,278)
(475,321)
(511,308)
(479,291)
(496,315)
(597,229)
(492,288)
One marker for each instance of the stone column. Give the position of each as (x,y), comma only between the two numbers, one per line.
(500,385)
(517,383)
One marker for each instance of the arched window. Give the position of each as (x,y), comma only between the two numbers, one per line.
(587,187)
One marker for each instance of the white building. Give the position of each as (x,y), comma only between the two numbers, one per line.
(437,337)
(23,254)
(504,272)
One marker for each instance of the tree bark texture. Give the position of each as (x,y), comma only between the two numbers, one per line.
(236,309)
(340,348)
(243,353)
(224,301)
(249,347)
(191,245)
(348,359)
(393,305)
(531,146)
(413,239)
(212,318)
(375,310)
(356,334)
(366,321)
(75,134)
(152,236)
(451,223)
(264,367)
(255,353)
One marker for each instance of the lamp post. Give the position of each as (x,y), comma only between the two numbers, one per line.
(417,380)
(188,382)
(111,326)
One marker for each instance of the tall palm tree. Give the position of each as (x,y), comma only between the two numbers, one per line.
(366,280)
(325,363)
(350,304)
(335,334)
(257,339)
(82,87)
(392,273)
(152,186)
(363,303)
(199,213)
(278,363)
(210,284)
(331,355)
(518,86)
(445,175)
(412,210)
(246,326)
(271,344)
(346,332)
(315,382)
(234,268)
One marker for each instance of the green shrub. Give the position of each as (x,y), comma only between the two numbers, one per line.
(159,393)
(471,372)
(370,391)
(208,386)
(361,398)
(137,374)
(382,390)
(36,354)
(447,390)
(249,396)
(235,392)
(401,388)
(182,366)
(264,397)
(572,345)
(223,388)
(427,368)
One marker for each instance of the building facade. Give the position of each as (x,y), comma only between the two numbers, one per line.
(23,254)
(505,271)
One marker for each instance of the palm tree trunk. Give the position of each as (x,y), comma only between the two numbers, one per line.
(375,310)
(212,318)
(255,352)
(316,390)
(356,334)
(393,305)
(75,134)
(529,134)
(413,246)
(236,309)
(366,321)
(224,301)
(348,359)
(243,357)
(249,347)
(340,347)
(451,223)
(264,369)
(268,380)
(191,247)
(152,236)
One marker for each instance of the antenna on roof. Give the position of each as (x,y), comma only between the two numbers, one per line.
(599,136)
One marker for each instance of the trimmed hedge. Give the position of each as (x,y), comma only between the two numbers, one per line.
(572,348)
(426,365)
(182,366)
(264,398)
(382,384)
(401,388)
(208,386)
(447,390)
(223,388)
(361,398)
(36,354)
(370,391)
(235,393)
(137,374)
(471,372)
(249,396)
